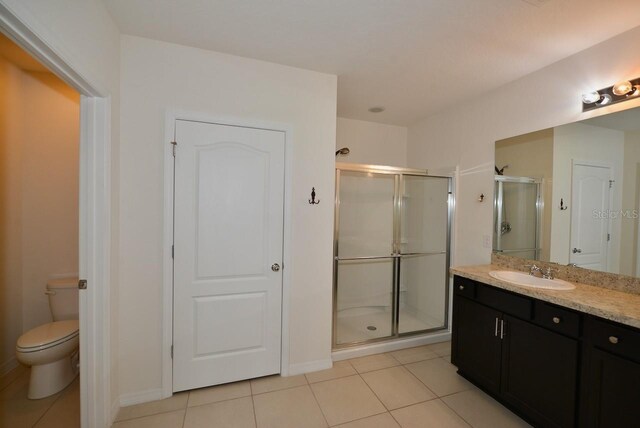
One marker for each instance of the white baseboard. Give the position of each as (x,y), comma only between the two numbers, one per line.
(394,345)
(131,398)
(311,366)
(115,408)
(7,366)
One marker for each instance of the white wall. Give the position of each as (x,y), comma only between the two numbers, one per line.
(465,135)
(582,142)
(157,76)
(50,138)
(10,219)
(84,35)
(371,143)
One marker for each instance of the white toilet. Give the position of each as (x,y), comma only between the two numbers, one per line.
(52,349)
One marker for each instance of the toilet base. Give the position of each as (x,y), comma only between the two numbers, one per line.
(48,379)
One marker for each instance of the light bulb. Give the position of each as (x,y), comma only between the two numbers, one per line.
(606,99)
(591,97)
(622,88)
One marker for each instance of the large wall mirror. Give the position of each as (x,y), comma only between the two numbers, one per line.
(570,194)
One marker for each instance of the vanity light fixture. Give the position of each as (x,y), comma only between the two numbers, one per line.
(621,91)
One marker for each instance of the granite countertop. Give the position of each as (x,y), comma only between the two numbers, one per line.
(605,303)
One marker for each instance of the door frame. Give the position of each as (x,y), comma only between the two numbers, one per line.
(171,116)
(94,265)
(595,164)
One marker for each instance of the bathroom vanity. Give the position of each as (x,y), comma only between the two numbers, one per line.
(558,358)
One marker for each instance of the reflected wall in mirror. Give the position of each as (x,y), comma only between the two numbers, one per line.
(569,194)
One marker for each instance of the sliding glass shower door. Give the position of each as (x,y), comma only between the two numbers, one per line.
(366,266)
(424,238)
(391,253)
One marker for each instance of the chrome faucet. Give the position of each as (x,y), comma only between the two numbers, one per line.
(545,273)
(533,269)
(548,273)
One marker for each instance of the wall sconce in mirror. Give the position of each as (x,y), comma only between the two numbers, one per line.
(621,91)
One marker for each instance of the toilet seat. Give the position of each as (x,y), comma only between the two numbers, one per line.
(47,336)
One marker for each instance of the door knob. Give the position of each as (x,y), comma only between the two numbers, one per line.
(275,267)
(577,250)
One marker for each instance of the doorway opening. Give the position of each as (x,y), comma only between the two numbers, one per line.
(39,226)
(94,219)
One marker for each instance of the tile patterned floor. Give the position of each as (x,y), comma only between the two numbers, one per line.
(61,410)
(416,387)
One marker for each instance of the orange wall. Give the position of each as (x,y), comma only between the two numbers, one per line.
(39,137)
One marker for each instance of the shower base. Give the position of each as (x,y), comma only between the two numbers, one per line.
(365,323)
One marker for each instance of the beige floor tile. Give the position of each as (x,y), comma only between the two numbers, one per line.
(65,411)
(373,362)
(383,420)
(288,408)
(412,355)
(13,375)
(275,383)
(439,376)
(23,412)
(346,399)
(236,413)
(442,349)
(163,420)
(339,369)
(18,389)
(397,387)
(430,414)
(176,402)
(482,411)
(214,394)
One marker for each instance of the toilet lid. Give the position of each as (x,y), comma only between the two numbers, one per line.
(48,335)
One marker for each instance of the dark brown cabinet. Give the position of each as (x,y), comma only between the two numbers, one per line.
(478,321)
(554,366)
(611,389)
(539,373)
(530,368)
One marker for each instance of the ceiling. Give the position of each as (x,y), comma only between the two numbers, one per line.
(414,57)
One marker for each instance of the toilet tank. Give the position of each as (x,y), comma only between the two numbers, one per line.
(63,298)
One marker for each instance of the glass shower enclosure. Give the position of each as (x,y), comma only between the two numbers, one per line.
(391,253)
(517,216)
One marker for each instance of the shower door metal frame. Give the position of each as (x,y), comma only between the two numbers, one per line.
(497,206)
(399,174)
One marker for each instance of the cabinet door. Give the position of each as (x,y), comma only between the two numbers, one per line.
(539,373)
(476,342)
(613,391)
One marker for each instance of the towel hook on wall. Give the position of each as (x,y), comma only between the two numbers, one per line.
(563,207)
(313,201)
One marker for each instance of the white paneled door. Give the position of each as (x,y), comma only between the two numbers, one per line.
(590,197)
(229,185)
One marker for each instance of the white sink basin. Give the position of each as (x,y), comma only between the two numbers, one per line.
(526,280)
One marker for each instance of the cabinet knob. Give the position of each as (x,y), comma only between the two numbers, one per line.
(461,287)
(613,339)
(556,320)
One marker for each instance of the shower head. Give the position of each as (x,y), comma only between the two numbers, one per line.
(343,151)
(501,171)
